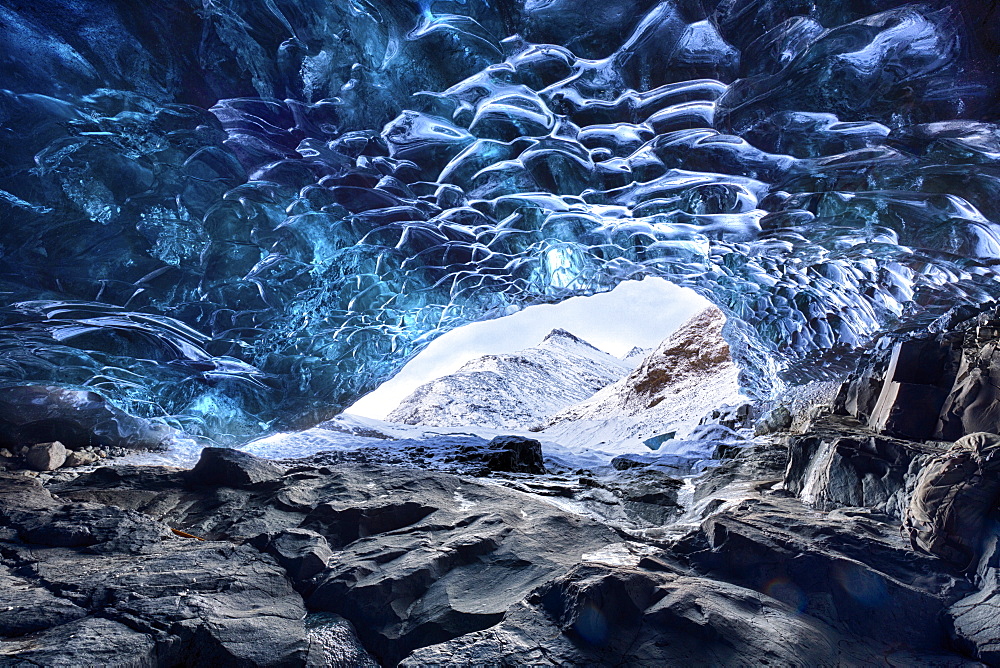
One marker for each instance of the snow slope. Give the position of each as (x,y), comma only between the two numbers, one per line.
(688,375)
(513,390)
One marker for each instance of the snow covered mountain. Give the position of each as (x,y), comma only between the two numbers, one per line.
(635,356)
(687,375)
(514,390)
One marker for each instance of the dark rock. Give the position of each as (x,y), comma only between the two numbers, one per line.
(844,567)
(100,585)
(76,418)
(598,615)
(973,404)
(515,454)
(733,417)
(46,456)
(764,460)
(625,462)
(974,618)
(453,572)
(839,463)
(91,641)
(333,643)
(303,553)
(778,419)
(917,382)
(26,608)
(224,467)
(908,410)
(419,556)
(860,392)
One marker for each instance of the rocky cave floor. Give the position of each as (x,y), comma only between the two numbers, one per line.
(790,553)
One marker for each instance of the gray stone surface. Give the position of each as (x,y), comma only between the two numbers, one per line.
(303,553)
(838,462)
(778,419)
(101,585)
(975,619)
(599,615)
(400,562)
(844,567)
(81,458)
(333,643)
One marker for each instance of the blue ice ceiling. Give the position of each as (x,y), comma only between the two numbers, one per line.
(242,214)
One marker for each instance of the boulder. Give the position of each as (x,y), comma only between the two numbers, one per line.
(515,454)
(733,417)
(778,419)
(333,643)
(46,456)
(224,467)
(973,404)
(81,458)
(839,463)
(303,553)
(630,461)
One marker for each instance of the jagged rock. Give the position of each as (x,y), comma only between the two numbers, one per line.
(732,417)
(76,418)
(762,462)
(515,454)
(601,615)
(625,462)
(46,456)
(333,643)
(27,608)
(778,419)
(845,567)
(79,458)
(224,467)
(973,404)
(974,618)
(109,586)
(419,556)
(301,552)
(839,463)
(91,641)
(916,384)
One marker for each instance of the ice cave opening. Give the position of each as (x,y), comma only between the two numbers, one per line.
(246,226)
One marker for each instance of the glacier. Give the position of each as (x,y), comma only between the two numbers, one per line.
(237,217)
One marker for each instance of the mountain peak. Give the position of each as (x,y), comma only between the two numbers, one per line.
(513,390)
(559,333)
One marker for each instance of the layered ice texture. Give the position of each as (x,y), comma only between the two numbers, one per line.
(240,215)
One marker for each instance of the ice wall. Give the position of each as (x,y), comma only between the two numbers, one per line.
(239,215)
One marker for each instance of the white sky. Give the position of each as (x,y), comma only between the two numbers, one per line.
(636,313)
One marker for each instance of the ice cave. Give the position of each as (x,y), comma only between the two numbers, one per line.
(222,222)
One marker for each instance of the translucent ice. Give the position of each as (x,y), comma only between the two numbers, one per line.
(239,216)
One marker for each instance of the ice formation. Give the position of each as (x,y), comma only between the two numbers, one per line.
(239,215)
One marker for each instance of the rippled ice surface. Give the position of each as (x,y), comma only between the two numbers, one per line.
(239,216)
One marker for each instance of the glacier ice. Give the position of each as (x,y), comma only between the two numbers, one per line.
(239,216)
